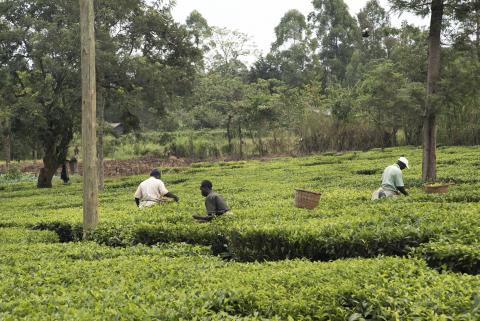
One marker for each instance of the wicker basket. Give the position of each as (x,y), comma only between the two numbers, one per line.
(306,199)
(431,189)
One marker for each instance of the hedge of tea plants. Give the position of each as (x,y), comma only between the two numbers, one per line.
(350,258)
(87,281)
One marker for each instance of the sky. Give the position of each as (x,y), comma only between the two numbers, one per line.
(258,18)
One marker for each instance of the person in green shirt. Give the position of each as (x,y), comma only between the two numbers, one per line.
(215,205)
(392,180)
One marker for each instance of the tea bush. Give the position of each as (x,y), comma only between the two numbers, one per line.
(263,224)
(86,281)
(393,259)
(20,236)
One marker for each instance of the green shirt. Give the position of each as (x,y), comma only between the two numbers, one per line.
(392,178)
(215,204)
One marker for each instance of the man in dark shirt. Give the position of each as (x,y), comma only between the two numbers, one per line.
(214,203)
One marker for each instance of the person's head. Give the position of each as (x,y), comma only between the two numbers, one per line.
(206,187)
(155,173)
(402,163)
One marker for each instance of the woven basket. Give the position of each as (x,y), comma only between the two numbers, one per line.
(430,189)
(306,199)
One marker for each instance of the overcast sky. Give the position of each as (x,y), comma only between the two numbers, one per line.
(258,18)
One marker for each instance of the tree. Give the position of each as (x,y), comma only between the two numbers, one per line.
(410,52)
(439,11)
(198,27)
(291,29)
(340,103)
(218,96)
(264,68)
(147,59)
(378,45)
(7,99)
(291,51)
(337,34)
(228,48)
(387,97)
(458,91)
(376,19)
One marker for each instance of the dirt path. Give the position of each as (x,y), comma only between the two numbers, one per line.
(114,167)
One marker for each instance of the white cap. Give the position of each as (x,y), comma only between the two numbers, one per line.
(404,160)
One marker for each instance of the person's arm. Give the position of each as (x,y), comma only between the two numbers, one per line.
(171,195)
(164,192)
(402,190)
(399,184)
(138,195)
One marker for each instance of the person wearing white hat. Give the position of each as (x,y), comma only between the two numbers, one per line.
(392,180)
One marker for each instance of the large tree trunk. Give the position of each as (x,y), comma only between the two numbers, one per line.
(45,176)
(101,121)
(429,164)
(55,143)
(53,157)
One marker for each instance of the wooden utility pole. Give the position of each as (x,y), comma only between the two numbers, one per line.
(89,119)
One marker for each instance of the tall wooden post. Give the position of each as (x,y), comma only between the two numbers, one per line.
(89,119)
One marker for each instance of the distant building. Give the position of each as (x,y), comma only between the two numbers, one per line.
(116,128)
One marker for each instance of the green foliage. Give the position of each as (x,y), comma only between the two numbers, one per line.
(181,282)
(454,256)
(264,225)
(337,33)
(14,175)
(140,267)
(146,61)
(23,236)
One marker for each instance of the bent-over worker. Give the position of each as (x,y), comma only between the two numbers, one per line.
(392,180)
(152,191)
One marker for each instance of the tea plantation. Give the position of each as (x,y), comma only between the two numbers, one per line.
(411,258)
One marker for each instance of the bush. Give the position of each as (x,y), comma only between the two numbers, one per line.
(15,235)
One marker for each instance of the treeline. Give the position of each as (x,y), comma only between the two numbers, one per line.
(334,89)
(322,85)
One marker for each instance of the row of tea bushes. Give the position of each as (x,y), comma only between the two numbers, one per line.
(23,236)
(264,224)
(85,281)
(392,228)
(454,256)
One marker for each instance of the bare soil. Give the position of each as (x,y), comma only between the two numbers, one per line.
(113,167)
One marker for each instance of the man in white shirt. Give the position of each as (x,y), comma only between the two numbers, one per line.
(392,180)
(152,191)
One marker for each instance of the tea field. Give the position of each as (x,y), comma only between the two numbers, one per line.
(411,258)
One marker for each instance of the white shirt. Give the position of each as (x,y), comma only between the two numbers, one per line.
(392,178)
(151,192)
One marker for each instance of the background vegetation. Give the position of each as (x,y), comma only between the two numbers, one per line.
(321,87)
